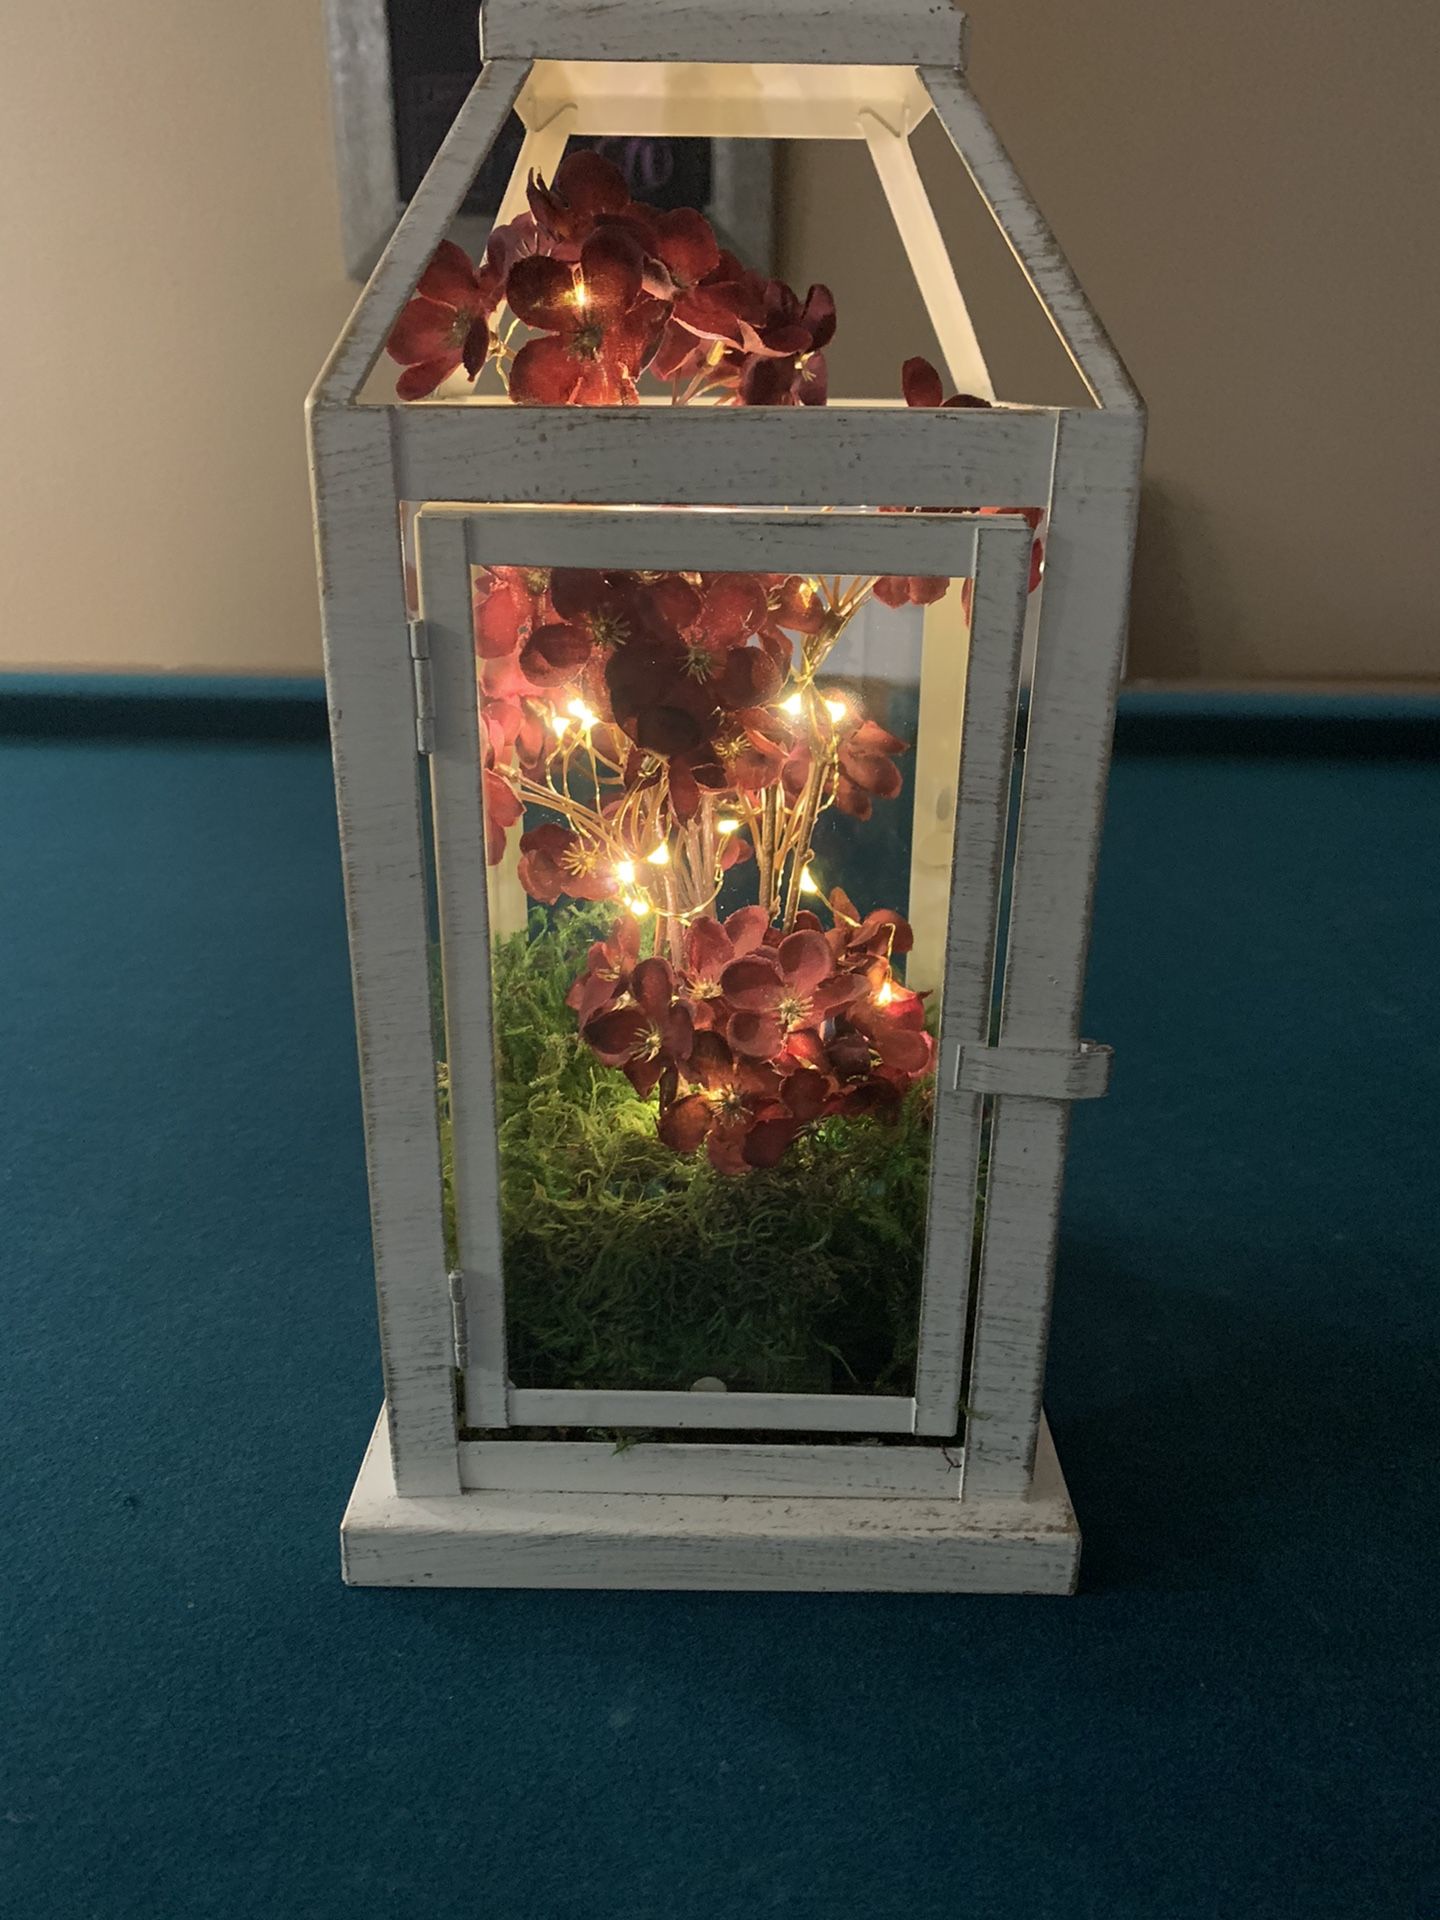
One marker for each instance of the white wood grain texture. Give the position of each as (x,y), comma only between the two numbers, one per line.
(929,257)
(839,1471)
(1033,245)
(1037,1073)
(725,101)
(793,457)
(712,1412)
(459,828)
(755,1543)
(372,731)
(422,227)
(987,752)
(1072,704)
(809,32)
(700,541)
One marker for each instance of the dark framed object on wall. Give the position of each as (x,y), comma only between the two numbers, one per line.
(398,74)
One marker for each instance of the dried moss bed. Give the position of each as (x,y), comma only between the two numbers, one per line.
(628,1266)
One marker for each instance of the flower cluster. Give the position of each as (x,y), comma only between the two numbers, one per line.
(609,288)
(757,1033)
(665,682)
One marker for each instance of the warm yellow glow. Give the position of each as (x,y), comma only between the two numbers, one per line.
(582,294)
(638,907)
(885,995)
(625,871)
(835,709)
(560,724)
(727,826)
(808,882)
(795,704)
(660,857)
(582,713)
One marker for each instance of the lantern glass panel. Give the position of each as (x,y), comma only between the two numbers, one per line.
(721,835)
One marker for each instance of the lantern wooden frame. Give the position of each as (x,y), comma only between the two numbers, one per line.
(986,1513)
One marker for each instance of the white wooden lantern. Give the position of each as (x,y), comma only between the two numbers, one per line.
(482,1474)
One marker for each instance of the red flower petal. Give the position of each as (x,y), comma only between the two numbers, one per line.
(611,270)
(710,1063)
(708,948)
(425,331)
(814,381)
(499,617)
(754,982)
(615,1036)
(746,928)
(415,383)
(926,589)
(818,317)
(748,677)
(687,1123)
(653,985)
(921,384)
(541,292)
(476,349)
(450,277)
(768,1141)
(805,959)
(805,1093)
(554,654)
(545,373)
(757,1034)
(892,590)
(685,241)
(590,184)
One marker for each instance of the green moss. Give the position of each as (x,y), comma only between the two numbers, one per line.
(629,1266)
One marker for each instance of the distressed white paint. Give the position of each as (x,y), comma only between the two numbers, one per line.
(463,901)
(987,750)
(372,730)
(1037,1073)
(795,457)
(1072,706)
(754,1543)
(840,1470)
(713,1412)
(820,32)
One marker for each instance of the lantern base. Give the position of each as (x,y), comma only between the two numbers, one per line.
(754,1543)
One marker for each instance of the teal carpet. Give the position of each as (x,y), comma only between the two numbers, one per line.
(1235,1718)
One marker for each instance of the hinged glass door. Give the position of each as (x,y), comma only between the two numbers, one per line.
(719,806)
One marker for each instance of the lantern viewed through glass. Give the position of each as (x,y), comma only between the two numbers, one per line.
(715,1056)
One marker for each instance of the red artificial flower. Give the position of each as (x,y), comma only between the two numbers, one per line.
(509,602)
(556,860)
(710,947)
(857,940)
(647,1038)
(608,967)
(503,809)
(742,1114)
(598,327)
(586,187)
(445,325)
(922,387)
(514,712)
(784,362)
(780,991)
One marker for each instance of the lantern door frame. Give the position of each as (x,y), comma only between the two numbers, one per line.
(993,553)
(409,1520)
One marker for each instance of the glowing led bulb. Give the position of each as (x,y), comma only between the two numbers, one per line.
(560,724)
(660,857)
(582,713)
(835,709)
(625,871)
(638,907)
(582,294)
(795,704)
(808,882)
(727,826)
(885,995)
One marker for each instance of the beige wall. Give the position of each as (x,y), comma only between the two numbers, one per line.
(1247,189)
(170,251)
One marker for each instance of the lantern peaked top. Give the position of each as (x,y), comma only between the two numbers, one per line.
(883,33)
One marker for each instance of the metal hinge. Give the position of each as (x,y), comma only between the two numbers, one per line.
(424,687)
(457,1315)
(1081,1072)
